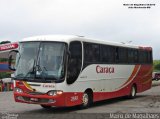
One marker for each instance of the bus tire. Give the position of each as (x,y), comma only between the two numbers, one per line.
(46,107)
(133,92)
(87,100)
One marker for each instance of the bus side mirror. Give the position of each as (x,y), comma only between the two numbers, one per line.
(11,59)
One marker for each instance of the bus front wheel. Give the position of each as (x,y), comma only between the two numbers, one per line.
(86,100)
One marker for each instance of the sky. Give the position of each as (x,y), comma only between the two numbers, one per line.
(100,19)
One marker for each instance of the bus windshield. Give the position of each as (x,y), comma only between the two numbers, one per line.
(40,60)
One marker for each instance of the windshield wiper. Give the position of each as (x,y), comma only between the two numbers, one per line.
(41,72)
(45,68)
(19,76)
(25,78)
(38,64)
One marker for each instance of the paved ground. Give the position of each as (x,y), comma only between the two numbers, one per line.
(147,102)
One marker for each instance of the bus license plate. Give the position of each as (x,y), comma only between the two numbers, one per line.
(34,99)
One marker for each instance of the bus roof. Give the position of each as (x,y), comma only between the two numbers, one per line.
(69,38)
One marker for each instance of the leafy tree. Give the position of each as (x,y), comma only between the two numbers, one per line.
(157,67)
(156,64)
(3,59)
(5,75)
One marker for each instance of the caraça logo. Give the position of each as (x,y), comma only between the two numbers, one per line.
(106,70)
(48,85)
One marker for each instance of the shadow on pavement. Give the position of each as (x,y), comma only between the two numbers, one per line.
(65,110)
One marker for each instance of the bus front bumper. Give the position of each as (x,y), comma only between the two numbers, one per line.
(41,99)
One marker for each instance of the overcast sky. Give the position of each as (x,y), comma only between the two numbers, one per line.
(102,19)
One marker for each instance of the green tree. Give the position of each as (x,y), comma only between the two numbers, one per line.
(5,75)
(3,59)
(157,67)
(156,64)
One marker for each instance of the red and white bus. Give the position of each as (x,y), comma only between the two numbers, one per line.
(59,70)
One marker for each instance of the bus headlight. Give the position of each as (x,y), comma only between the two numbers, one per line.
(54,92)
(18,90)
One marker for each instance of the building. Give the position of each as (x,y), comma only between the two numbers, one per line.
(4,51)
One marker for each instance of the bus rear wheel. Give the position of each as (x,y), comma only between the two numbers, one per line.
(133,92)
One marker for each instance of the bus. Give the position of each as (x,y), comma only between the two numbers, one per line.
(63,71)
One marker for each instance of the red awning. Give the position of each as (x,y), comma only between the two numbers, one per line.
(6,48)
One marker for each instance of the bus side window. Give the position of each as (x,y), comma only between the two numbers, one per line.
(74,62)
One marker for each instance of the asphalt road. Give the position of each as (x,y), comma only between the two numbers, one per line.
(146,102)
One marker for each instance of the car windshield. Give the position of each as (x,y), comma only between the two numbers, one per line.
(41,60)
